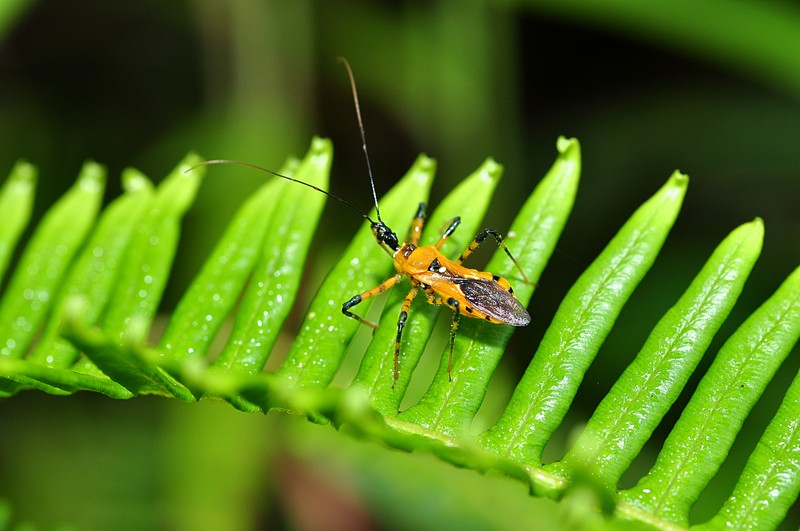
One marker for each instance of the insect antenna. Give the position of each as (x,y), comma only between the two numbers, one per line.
(363,134)
(260,168)
(385,236)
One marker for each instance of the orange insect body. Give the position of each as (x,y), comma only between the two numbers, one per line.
(481,294)
(469,292)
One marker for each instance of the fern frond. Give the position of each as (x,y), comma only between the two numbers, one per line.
(104,282)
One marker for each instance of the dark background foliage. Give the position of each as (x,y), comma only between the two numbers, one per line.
(712,90)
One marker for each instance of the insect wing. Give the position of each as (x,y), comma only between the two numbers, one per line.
(493,300)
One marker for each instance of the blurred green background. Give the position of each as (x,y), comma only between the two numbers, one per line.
(711,88)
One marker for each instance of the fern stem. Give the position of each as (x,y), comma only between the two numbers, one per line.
(127,362)
(59,381)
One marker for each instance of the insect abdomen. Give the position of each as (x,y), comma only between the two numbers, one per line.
(493,301)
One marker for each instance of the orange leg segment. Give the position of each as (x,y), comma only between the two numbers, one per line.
(380,288)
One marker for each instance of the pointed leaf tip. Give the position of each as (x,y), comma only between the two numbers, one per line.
(564,144)
(133,180)
(424,165)
(92,176)
(679,179)
(24,174)
(491,169)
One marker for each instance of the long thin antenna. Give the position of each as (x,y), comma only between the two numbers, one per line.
(256,167)
(363,134)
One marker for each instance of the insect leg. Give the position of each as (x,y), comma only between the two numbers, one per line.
(456,307)
(453,303)
(401,323)
(499,239)
(455,222)
(415,230)
(380,288)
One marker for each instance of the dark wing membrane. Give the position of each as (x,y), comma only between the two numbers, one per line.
(493,300)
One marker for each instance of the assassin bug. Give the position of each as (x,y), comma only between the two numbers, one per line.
(470,292)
